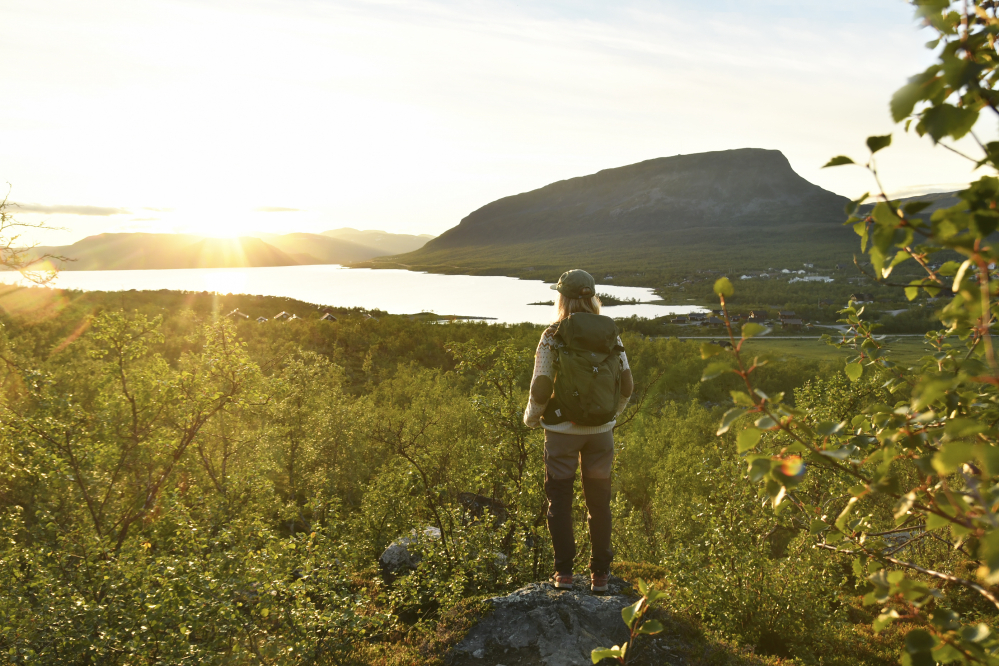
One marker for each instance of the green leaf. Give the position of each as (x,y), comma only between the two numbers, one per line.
(883,621)
(989,455)
(608,653)
(976,634)
(709,349)
(741,398)
(845,514)
(951,456)
(904,100)
(650,627)
(916,206)
(935,521)
(876,143)
(729,418)
(723,287)
(945,653)
(839,160)
(654,594)
(949,268)
(751,330)
(904,504)
(959,276)
(759,467)
(748,439)
(853,371)
(963,427)
(944,120)
(765,423)
(919,640)
(827,428)
(864,237)
(714,369)
(817,526)
(885,215)
(628,613)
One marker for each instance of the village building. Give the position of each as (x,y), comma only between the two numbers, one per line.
(791,323)
(712,321)
(327,317)
(282,315)
(261,320)
(237,314)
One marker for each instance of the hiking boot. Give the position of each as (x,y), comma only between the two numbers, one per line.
(562,581)
(598,582)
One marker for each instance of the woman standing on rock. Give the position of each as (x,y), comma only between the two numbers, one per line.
(581,383)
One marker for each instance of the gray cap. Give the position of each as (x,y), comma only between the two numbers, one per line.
(576,284)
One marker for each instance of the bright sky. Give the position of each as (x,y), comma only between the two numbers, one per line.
(228,116)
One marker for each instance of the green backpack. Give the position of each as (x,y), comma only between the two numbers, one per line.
(587,371)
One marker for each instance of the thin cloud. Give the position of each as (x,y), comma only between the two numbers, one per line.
(99,211)
(277,209)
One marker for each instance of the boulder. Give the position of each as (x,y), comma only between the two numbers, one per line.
(397,556)
(540,624)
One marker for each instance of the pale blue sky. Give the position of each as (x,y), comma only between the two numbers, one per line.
(406,116)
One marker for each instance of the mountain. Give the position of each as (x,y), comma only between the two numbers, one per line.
(382,241)
(133,251)
(136,251)
(736,207)
(321,249)
(937,201)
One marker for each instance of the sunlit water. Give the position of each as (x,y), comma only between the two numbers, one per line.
(502,299)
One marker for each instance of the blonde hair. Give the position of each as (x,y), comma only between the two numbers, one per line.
(566,306)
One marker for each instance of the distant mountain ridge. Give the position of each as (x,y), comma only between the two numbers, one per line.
(382,240)
(143,251)
(670,210)
(725,188)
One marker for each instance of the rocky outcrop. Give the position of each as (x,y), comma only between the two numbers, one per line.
(539,624)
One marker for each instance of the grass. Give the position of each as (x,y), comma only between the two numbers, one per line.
(902,350)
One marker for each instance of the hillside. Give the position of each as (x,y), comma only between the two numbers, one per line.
(320,249)
(382,241)
(136,251)
(729,208)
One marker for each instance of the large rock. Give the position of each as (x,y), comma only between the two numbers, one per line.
(539,624)
(397,557)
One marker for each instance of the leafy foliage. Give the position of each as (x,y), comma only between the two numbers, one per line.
(914,463)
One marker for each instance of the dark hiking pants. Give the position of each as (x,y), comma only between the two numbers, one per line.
(595,454)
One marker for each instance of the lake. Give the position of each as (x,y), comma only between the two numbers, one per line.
(503,299)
